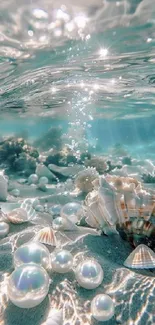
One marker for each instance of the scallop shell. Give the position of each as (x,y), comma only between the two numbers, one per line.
(46,236)
(141,258)
(17,216)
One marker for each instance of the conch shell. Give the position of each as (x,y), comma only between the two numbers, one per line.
(118,203)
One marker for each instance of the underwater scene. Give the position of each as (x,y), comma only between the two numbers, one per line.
(77,162)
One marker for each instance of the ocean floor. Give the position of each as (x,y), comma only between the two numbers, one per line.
(132,291)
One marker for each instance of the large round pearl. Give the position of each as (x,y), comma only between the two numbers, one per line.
(32,253)
(33,179)
(89,274)
(28,285)
(102,308)
(4,229)
(43,180)
(73,211)
(58,223)
(61,261)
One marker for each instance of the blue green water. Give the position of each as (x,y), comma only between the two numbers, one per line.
(88,64)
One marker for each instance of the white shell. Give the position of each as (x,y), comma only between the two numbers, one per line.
(46,236)
(55,317)
(42,170)
(66,171)
(141,258)
(17,216)
(101,208)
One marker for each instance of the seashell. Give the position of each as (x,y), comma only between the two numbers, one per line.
(121,203)
(137,231)
(55,317)
(141,258)
(46,236)
(66,171)
(43,171)
(85,178)
(17,216)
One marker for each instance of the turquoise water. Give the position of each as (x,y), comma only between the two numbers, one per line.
(77,81)
(88,63)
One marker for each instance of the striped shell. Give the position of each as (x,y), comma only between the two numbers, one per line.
(46,236)
(127,207)
(141,258)
(17,216)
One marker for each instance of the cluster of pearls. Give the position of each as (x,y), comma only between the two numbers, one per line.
(34,180)
(29,283)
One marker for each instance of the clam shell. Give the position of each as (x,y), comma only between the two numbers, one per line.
(141,258)
(46,236)
(17,216)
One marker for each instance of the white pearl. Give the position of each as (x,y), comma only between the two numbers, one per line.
(32,253)
(89,274)
(102,308)
(61,261)
(55,210)
(39,208)
(43,180)
(4,229)
(58,223)
(33,179)
(73,211)
(28,285)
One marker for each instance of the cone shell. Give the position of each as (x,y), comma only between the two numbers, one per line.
(17,216)
(46,236)
(141,258)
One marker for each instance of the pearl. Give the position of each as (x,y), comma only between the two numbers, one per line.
(61,261)
(4,229)
(28,285)
(102,308)
(32,253)
(89,274)
(73,211)
(58,223)
(55,210)
(33,179)
(43,180)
